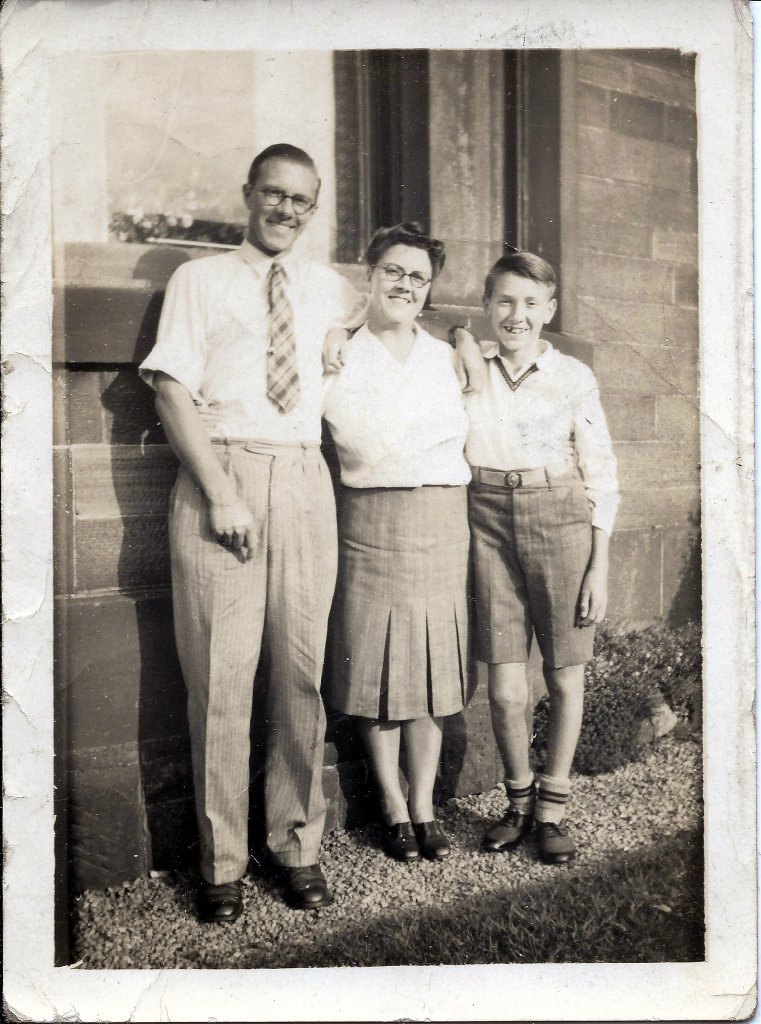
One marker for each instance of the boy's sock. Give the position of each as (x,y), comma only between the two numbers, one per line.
(551,799)
(521,793)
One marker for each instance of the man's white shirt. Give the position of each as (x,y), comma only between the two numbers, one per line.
(213,338)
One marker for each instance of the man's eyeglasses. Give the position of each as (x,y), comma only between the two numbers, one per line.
(392,272)
(275,196)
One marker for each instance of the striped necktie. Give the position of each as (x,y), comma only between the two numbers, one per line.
(282,370)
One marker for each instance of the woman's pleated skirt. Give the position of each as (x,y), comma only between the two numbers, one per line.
(402,612)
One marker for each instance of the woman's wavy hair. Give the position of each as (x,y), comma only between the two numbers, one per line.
(409,233)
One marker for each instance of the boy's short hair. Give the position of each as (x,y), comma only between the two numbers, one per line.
(524,264)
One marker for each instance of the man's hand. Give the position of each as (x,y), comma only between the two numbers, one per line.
(233,526)
(470,365)
(594,595)
(334,349)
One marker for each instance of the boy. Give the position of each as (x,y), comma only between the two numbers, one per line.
(542,503)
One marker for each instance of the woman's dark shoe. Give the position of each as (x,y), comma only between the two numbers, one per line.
(432,842)
(220,904)
(508,832)
(399,841)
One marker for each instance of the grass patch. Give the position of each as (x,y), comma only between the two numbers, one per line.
(644,907)
(631,673)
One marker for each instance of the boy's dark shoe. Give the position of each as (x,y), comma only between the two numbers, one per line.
(508,832)
(305,888)
(220,904)
(555,845)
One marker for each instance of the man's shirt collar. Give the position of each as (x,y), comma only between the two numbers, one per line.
(260,263)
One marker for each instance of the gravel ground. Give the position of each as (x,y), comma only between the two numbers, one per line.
(151,923)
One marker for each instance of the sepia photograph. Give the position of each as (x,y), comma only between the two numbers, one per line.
(382,575)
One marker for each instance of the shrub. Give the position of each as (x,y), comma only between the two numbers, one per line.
(632,672)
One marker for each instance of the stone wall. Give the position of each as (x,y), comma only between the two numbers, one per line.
(633,247)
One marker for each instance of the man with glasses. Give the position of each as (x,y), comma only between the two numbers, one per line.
(237,373)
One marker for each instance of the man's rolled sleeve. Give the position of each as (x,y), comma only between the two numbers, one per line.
(180,349)
(594,448)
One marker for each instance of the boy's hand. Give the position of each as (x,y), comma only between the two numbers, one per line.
(594,596)
(472,371)
(334,349)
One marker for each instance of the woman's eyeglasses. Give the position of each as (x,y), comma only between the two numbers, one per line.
(392,272)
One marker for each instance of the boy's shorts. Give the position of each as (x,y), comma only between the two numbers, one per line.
(532,540)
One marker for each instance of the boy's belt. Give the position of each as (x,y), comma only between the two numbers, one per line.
(513,478)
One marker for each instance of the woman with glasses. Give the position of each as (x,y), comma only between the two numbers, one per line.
(396,415)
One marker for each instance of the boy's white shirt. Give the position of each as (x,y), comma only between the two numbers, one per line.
(554,420)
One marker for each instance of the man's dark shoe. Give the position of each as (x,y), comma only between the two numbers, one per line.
(555,845)
(508,832)
(431,840)
(306,888)
(220,904)
(400,843)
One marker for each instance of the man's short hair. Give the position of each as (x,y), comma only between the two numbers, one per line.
(282,151)
(411,234)
(523,264)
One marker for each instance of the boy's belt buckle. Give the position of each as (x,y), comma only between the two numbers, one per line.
(513,479)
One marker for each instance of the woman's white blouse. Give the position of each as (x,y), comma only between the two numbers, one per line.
(397,424)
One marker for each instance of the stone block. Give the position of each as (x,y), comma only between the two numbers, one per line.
(624,277)
(350,795)
(636,116)
(109,324)
(682,575)
(121,554)
(342,741)
(604,68)
(647,507)
(468,261)
(592,106)
(630,419)
(677,418)
(659,84)
(640,322)
(686,286)
(166,769)
(470,762)
(626,158)
(645,370)
(658,464)
(172,841)
(129,410)
(122,480)
(84,413)
(107,820)
(624,239)
(60,423)
(665,60)
(677,246)
(63,548)
(635,576)
(681,127)
(121,673)
(633,203)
